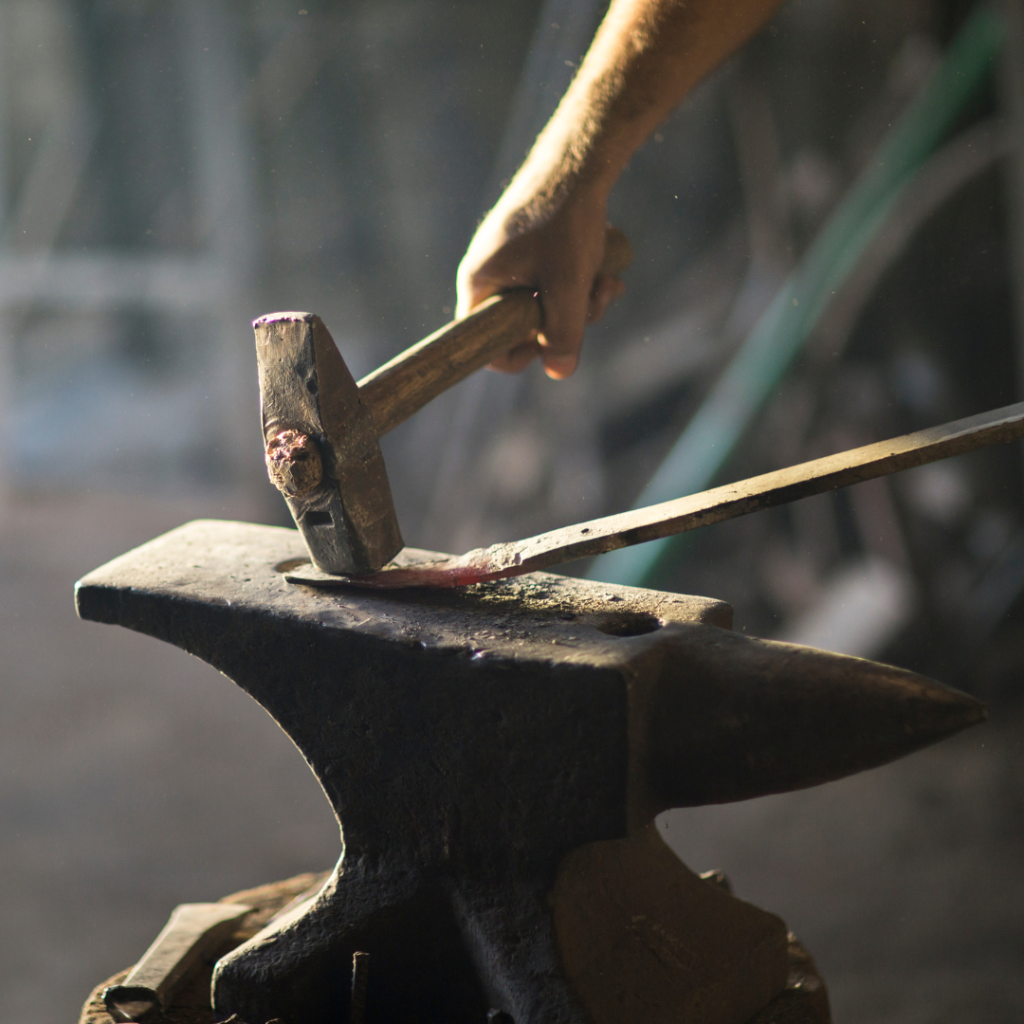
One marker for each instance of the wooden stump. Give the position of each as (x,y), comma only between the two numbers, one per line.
(804,1001)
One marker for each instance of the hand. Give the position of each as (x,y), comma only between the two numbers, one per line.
(547,230)
(557,252)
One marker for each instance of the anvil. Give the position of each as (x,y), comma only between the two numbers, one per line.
(494,756)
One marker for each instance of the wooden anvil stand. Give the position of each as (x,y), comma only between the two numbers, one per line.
(496,757)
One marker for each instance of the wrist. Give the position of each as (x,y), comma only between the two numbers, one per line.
(555,179)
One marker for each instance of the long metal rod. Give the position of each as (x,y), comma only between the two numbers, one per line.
(713,506)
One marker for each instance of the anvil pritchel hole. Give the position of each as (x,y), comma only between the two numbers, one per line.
(290,563)
(629,624)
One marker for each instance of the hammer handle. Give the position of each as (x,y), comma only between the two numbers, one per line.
(418,375)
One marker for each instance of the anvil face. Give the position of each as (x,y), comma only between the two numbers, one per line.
(469,740)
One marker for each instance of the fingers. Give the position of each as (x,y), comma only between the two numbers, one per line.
(559,343)
(566,312)
(474,288)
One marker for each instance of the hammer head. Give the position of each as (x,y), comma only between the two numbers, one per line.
(321,446)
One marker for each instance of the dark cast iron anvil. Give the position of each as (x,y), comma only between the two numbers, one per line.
(495,756)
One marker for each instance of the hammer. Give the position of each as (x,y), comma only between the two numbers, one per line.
(321,429)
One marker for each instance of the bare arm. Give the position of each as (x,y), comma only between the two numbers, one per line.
(547,230)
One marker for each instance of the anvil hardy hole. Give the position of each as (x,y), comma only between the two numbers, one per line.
(290,563)
(629,624)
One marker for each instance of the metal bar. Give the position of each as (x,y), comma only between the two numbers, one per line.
(669,518)
(777,488)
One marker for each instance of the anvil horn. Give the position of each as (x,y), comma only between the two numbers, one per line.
(757,717)
(468,740)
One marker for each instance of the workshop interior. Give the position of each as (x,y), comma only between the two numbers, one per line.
(830,227)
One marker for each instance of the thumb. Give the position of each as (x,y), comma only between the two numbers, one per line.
(470,291)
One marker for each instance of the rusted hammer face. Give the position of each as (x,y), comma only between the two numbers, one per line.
(321,429)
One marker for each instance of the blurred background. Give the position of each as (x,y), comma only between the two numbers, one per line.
(832,227)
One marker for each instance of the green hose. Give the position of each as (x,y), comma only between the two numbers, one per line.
(763,359)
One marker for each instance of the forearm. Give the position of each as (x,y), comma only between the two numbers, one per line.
(646,57)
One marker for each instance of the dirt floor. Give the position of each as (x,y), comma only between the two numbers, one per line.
(133,777)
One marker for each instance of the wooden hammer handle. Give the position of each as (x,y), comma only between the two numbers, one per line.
(403,385)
